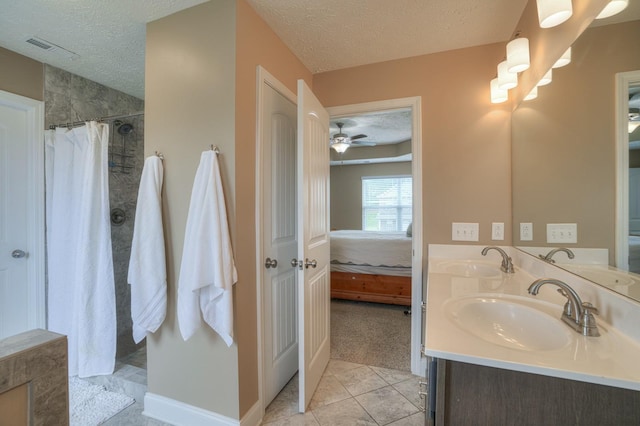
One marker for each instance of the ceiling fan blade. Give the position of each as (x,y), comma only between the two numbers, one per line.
(363,143)
(360,136)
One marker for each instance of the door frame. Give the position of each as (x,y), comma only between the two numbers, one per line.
(34,110)
(418,362)
(262,77)
(623,81)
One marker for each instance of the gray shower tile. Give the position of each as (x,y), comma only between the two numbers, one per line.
(417,419)
(306,419)
(360,380)
(409,389)
(337,366)
(392,376)
(56,80)
(343,413)
(386,405)
(329,390)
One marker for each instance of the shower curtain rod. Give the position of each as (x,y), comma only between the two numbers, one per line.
(110,117)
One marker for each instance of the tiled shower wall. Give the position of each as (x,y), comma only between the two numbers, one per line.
(70,98)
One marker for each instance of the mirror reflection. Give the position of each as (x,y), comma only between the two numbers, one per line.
(565,162)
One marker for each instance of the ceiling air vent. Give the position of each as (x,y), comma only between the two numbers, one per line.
(51,48)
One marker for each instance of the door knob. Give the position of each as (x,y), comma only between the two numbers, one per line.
(18,254)
(313,263)
(270,263)
(296,263)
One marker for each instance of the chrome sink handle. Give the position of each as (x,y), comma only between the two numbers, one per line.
(548,257)
(576,314)
(507,264)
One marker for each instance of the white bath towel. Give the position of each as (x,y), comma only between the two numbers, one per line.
(207,271)
(147,265)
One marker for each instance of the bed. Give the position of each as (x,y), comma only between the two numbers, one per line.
(371,266)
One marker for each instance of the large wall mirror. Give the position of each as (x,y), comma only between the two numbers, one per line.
(564,156)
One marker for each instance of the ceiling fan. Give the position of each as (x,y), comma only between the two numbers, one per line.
(341,141)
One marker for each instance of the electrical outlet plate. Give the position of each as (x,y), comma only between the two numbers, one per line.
(465,231)
(562,233)
(497,231)
(526,231)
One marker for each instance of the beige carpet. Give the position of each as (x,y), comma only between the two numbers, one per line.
(371,334)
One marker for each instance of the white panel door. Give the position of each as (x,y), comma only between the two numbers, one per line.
(280,245)
(313,242)
(21,215)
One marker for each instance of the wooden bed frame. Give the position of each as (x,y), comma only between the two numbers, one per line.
(371,288)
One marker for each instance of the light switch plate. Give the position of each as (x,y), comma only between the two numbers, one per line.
(562,233)
(464,231)
(526,231)
(497,231)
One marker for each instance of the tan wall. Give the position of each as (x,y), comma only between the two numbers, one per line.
(564,141)
(257,45)
(346,190)
(190,96)
(21,75)
(466,139)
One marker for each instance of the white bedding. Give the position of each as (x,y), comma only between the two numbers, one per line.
(371,248)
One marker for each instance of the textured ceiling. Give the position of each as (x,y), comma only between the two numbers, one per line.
(333,34)
(107,35)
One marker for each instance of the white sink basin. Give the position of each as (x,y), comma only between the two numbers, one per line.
(517,323)
(471,269)
(602,275)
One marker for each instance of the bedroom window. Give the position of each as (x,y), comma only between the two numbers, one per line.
(386,203)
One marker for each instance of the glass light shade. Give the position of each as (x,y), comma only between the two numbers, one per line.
(498,95)
(506,80)
(633,125)
(340,147)
(614,7)
(553,12)
(518,55)
(565,59)
(546,79)
(532,94)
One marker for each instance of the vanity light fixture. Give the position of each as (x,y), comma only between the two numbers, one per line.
(518,54)
(612,8)
(506,80)
(565,59)
(553,12)
(532,94)
(498,95)
(546,79)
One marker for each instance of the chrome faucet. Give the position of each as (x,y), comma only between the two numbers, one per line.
(548,257)
(577,314)
(507,265)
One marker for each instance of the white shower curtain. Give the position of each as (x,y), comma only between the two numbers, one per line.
(81,290)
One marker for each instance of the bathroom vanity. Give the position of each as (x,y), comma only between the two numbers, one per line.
(499,355)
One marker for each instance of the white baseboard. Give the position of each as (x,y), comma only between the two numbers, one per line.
(180,414)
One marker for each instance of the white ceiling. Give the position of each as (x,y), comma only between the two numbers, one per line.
(109,35)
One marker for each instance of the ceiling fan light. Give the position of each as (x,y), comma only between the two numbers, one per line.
(340,147)
(633,125)
(506,80)
(498,95)
(518,55)
(565,59)
(532,94)
(553,12)
(612,8)
(546,79)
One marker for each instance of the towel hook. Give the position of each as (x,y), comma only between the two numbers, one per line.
(159,155)
(214,149)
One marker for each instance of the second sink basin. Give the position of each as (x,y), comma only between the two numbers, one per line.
(513,322)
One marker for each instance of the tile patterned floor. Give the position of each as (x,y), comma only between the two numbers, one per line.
(352,394)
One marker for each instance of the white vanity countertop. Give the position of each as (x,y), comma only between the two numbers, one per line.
(610,359)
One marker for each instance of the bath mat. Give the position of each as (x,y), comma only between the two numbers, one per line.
(90,405)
